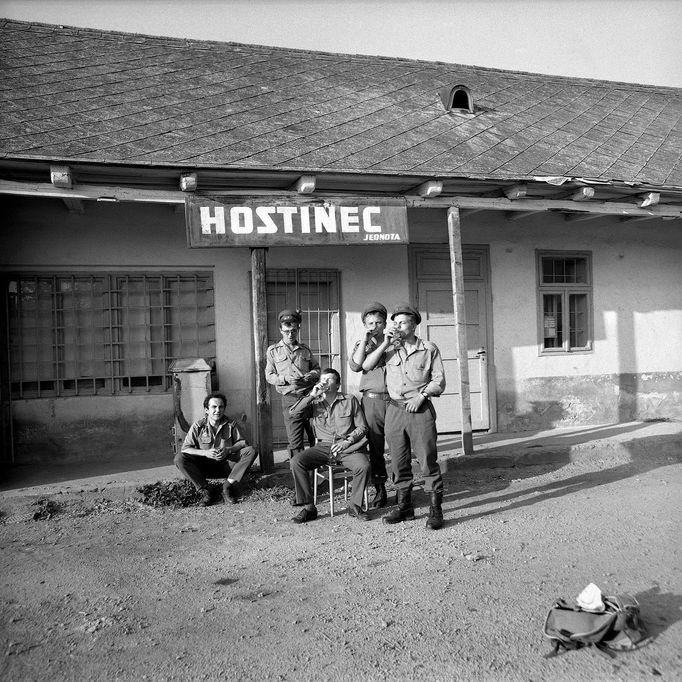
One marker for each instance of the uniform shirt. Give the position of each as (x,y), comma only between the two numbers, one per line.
(373,380)
(203,436)
(407,375)
(343,419)
(286,364)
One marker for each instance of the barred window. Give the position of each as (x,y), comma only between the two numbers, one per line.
(565,301)
(105,334)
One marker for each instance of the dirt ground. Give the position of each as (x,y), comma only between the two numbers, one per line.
(107,588)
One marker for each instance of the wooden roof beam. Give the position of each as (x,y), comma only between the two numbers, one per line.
(189,182)
(430,188)
(515,192)
(563,205)
(583,194)
(305,184)
(60,176)
(92,192)
(649,199)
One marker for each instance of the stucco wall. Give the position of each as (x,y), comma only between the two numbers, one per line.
(101,428)
(633,371)
(120,237)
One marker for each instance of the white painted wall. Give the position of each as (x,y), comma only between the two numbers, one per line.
(636,271)
(637,279)
(118,237)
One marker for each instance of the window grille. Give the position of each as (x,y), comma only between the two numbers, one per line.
(316,294)
(92,334)
(565,296)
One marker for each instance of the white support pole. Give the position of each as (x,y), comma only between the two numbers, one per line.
(457,272)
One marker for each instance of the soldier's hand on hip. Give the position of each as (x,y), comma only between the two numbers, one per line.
(413,404)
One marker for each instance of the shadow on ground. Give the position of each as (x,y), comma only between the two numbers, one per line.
(24,475)
(644,454)
(659,610)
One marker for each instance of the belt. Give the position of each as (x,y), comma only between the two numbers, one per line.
(397,403)
(372,394)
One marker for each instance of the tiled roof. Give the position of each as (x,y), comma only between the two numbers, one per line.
(77,94)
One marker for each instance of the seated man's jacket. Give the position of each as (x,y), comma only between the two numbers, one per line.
(201,436)
(342,420)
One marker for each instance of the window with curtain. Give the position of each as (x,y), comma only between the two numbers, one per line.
(565,300)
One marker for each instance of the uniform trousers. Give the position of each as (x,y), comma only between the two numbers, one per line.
(317,456)
(408,432)
(295,424)
(197,468)
(375,414)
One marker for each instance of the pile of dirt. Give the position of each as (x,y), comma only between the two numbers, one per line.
(169,494)
(45,509)
(177,494)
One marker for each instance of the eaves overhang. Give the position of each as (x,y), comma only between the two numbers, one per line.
(518,197)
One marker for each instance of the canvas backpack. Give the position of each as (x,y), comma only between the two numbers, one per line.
(617,628)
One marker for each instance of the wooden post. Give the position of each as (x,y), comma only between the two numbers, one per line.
(260,346)
(457,272)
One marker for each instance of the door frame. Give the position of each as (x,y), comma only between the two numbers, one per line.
(483,250)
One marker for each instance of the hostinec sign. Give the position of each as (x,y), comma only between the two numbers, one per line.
(286,221)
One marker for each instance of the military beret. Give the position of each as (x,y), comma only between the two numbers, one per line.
(375,307)
(288,315)
(406,309)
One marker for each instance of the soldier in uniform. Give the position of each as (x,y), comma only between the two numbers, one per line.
(340,427)
(374,395)
(414,375)
(215,447)
(292,369)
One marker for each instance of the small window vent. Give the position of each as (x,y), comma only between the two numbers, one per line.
(457,99)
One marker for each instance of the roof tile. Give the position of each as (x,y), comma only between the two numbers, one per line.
(71,93)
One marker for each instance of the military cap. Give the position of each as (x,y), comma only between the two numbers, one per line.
(288,316)
(375,307)
(406,309)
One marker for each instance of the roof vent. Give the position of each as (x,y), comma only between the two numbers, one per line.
(457,99)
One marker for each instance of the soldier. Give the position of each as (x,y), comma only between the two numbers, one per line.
(340,428)
(215,447)
(374,395)
(292,369)
(414,375)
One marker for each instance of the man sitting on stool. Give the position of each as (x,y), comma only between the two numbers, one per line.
(215,447)
(339,426)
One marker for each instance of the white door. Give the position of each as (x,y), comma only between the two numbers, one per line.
(434,299)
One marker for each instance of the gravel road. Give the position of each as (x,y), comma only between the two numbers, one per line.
(110,589)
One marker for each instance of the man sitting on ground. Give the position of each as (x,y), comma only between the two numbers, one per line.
(215,447)
(339,426)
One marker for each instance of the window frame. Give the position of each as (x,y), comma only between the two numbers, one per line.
(104,314)
(564,290)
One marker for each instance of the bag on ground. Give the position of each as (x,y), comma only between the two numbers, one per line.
(617,628)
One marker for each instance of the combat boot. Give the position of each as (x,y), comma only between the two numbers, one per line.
(380,498)
(435,520)
(405,510)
